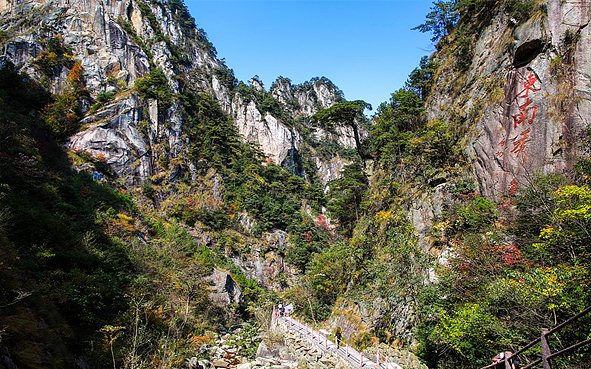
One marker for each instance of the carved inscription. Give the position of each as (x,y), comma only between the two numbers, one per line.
(515,142)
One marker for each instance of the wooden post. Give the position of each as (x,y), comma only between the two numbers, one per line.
(545,350)
(378,358)
(347,353)
(361,360)
(386,362)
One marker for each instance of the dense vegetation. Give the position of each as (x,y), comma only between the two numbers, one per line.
(113,271)
(59,265)
(517,266)
(114,280)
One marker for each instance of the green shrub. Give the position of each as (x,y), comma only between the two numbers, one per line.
(520,9)
(54,57)
(63,114)
(155,86)
(477,215)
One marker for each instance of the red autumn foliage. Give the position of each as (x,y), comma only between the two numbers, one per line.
(322,223)
(308,235)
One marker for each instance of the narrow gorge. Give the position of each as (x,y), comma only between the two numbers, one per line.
(154,209)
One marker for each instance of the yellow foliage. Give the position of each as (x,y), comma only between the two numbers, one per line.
(547,232)
(441,226)
(416,141)
(383,216)
(574,203)
(124,217)
(199,341)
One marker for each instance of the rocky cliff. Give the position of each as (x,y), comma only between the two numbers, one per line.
(120,42)
(139,100)
(279,131)
(513,87)
(524,93)
(520,91)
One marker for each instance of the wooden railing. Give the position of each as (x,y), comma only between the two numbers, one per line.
(546,353)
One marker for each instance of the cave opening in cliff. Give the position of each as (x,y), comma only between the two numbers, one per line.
(527,52)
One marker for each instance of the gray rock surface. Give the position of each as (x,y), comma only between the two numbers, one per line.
(527,94)
(224,290)
(133,133)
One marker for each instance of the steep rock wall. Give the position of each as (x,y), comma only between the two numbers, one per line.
(111,61)
(279,139)
(118,42)
(522,93)
(526,95)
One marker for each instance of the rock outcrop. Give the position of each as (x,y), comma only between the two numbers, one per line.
(116,42)
(279,135)
(265,263)
(526,95)
(224,290)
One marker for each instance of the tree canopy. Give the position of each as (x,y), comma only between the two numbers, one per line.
(344,114)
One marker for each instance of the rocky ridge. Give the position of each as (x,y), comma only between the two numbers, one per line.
(123,41)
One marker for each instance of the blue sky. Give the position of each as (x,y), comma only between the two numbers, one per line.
(367,48)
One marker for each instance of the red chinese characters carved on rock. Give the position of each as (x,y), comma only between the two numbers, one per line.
(514,186)
(528,85)
(519,145)
(526,116)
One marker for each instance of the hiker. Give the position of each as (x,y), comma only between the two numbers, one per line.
(338,337)
(281,310)
(500,358)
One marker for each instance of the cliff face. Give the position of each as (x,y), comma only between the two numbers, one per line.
(280,134)
(520,89)
(525,95)
(119,42)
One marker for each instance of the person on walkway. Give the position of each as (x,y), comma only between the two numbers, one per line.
(338,336)
(500,358)
(281,310)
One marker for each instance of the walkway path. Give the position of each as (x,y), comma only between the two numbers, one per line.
(321,341)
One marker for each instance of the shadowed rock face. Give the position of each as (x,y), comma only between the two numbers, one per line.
(223,288)
(527,52)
